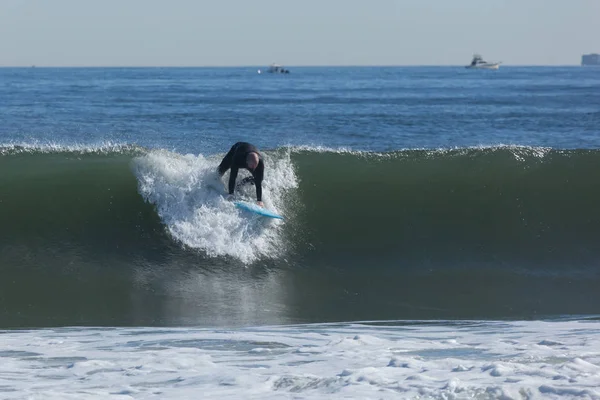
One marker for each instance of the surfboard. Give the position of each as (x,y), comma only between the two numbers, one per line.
(255,208)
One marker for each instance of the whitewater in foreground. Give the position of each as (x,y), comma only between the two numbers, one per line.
(438,360)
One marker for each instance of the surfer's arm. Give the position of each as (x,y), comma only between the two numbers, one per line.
(259,191)
(258,178)
(232,178)
(227,161)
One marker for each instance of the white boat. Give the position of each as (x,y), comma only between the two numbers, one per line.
(275,69)
(479,63)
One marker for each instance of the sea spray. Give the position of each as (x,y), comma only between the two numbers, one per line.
(190,199)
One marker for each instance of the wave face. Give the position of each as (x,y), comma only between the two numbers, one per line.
(498,205)
(461,233)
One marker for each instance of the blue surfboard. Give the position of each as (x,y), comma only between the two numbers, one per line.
(255,208)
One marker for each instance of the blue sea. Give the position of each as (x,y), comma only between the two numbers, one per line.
(440,237)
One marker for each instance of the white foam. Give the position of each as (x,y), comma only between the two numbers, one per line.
(441,361)
(519,152)
(190,199)
(12,147)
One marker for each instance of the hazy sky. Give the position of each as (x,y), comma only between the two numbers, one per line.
(301,32)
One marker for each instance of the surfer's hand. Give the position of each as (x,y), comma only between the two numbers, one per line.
(260,203)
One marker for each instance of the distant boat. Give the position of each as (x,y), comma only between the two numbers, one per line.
(590,59)
(479,63)
(275,69)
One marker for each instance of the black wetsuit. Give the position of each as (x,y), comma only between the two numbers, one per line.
(236,159)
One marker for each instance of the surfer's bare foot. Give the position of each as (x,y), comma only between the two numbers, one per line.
(260,203)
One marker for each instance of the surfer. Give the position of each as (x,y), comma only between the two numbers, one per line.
(244,155)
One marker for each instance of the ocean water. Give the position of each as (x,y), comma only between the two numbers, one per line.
(440,241)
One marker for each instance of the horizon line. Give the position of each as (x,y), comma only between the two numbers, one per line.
(287,65)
